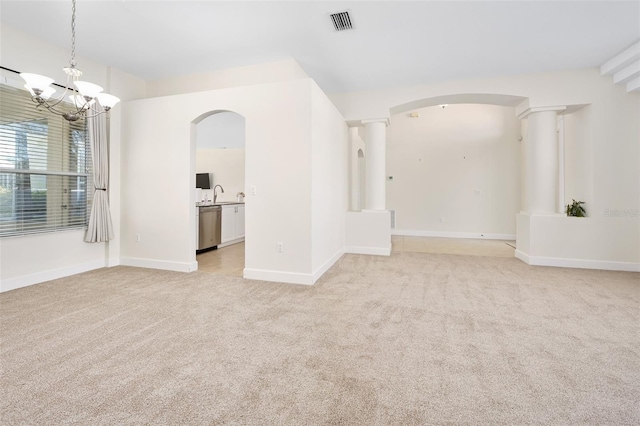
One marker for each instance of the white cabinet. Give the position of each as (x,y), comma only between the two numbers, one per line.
(228,223)
(232,224)
(197,227)
(239,225)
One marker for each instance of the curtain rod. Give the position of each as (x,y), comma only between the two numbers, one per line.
(18,72)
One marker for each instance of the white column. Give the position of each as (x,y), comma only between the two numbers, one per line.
(542,160)
(376,158)
(560,131)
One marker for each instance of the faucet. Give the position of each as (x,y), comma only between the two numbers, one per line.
(215,194)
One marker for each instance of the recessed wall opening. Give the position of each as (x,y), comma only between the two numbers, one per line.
(453,170)
(459,171)
(456,170)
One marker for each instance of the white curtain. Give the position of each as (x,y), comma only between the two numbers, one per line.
(100,226)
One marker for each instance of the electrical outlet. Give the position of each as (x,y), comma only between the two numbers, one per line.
(253,190)
(442,220)
(138,239)
(280,247)
(477,192)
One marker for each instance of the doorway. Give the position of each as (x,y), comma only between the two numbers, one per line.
(220,153)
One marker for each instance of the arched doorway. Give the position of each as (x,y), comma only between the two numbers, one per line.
(218,141)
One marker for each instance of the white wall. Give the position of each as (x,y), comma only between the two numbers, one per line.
(37,258)
(578,165)
(574,87)
(127,87)
(159,168)
(593,243)
(524,134)
(270,72)
(612,130)
(461,164)
(227,166)
(329,182)
(368,232)
(357,172)
(221,130)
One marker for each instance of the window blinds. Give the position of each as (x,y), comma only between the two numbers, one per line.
(45,168)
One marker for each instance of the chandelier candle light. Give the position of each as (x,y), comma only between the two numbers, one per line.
(39,87)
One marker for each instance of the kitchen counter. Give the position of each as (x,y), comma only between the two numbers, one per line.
(219,203)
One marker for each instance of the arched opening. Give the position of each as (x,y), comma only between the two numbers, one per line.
(461,98)
(218,143)
(454,166)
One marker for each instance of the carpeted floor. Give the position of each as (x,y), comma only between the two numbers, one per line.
(416,338)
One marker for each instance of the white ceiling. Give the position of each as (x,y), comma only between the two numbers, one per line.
(394,43)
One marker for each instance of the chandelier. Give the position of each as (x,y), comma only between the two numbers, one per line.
(83,94)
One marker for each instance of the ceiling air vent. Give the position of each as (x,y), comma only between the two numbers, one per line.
(341,21)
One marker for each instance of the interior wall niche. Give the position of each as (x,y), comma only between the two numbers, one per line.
(357,170)
(220,151)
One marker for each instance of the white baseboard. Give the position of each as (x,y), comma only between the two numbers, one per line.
(52,274)
(376,251)
(328,264)
(228,243)
(113,262)
(444,234)
(607,265)
(291,277)
(278,276)
(159,264)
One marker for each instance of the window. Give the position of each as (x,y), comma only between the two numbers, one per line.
(45,168)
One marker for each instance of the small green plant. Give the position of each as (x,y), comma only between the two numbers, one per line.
(575,209)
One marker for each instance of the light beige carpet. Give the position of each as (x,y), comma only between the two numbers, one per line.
(416,338)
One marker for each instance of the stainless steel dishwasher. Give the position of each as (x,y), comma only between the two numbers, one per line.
(210,232)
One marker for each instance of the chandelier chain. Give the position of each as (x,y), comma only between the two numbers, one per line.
(72,62)
(88,98)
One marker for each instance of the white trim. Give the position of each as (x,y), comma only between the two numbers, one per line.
(622,59)
(328,264)
(561,163)
(52,274)
(633,85)
(231,242)
(159,264)
(627,73)
(291,277)
(376,120)
(607,265)
(524,114)
(376,251)
(548,214)
(278,276)
(443,234)
(522,256)
(372,211)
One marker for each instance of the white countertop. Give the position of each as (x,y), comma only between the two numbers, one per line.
(219,203)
